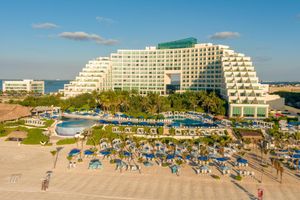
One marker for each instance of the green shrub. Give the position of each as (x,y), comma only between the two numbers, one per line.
(66,141)
(16,123)
(165,164)
(112,161)
(238,178)
(215,176)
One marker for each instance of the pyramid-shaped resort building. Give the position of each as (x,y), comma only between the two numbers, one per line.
(178,66)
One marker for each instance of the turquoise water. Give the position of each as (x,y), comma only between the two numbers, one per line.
(76,123)
(50,85)
(72,127)
(191,123)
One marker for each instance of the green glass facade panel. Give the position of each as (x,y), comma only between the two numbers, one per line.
(249,110)
(261,112)
(236,111)
(184,43)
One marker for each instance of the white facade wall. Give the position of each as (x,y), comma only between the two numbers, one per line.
(24,86)
(95,76)
(201,67)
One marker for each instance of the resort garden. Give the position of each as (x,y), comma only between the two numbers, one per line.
(132,103)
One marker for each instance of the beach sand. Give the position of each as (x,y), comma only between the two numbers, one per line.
(32,163)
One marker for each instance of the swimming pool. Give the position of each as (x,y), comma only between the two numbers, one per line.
(191,123)
(72,127)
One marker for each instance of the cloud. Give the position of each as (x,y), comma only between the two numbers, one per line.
(224,35)
(105,20)
(46,25)
(83,36)
(261,59)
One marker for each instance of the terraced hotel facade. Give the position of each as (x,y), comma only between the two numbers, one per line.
(196,66)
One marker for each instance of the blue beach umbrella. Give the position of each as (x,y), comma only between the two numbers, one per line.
(105,153)
(74,152)
(88,152)
(241,160)
(170,156)
(203,158)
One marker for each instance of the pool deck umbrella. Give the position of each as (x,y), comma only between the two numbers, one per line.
(143,123)
(160,124)
(124,116)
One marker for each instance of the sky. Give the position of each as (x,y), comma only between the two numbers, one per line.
(54,39)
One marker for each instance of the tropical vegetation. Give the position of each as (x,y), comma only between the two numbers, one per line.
(134,104)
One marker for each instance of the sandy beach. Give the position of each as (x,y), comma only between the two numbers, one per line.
(30,164)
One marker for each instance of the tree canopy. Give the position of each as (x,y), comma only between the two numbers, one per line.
(133,103)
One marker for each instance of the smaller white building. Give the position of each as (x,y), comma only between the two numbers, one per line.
(24,86)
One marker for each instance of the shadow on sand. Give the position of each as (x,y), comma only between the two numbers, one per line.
(251,196)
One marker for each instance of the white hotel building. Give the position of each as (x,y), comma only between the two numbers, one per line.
(197,66)
(33,86)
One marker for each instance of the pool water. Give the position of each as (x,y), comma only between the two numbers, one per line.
(191,123)
(72,127)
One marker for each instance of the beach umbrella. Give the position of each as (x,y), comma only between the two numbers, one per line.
(105,153)
(296,156)
(74,152)
(148,164)
(170,156)
(297,151)
(149,155)
(127,154)
(203,158)
(222,159)
(88,152)
(241,160)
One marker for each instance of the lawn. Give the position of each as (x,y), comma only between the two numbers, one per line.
(35,136)
(66,141)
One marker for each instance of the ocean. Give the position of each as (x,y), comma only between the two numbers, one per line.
(50,85)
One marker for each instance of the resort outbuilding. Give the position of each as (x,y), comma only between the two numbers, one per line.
(9,112)
(17,136)
(34,122)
